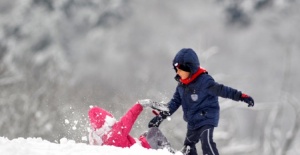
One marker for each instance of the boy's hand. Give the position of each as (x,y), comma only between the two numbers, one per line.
(155,122)
(248,99)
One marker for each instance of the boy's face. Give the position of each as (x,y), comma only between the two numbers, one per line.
(183,74)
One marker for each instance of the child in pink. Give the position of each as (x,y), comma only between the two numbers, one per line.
(106,130)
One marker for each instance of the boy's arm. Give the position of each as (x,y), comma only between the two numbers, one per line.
(217,89)
(127,121)
(173,105)
(175,102)
(221,90)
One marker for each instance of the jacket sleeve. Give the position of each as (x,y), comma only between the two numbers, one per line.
(175,102)
(127,121)
(216,89)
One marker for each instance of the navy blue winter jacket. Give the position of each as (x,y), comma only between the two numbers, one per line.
(199,99)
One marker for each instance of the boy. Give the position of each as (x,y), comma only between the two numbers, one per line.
(197,93)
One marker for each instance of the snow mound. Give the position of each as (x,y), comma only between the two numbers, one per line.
(38,146)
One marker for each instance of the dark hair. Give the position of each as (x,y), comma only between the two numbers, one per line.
(184,68)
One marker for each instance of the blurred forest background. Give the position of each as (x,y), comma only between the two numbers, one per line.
(59,57)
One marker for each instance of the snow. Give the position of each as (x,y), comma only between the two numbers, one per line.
(39,146)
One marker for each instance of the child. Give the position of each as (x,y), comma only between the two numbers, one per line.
(106,130)
(197,93)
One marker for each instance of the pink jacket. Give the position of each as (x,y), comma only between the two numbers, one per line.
(118,135)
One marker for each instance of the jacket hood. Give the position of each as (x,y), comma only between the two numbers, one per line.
(99,117)
(188,58)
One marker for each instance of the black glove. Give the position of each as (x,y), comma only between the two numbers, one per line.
(248,99)
(155,122)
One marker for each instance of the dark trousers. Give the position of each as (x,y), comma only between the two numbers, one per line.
(205,134)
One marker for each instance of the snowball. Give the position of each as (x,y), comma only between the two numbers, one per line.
(63,140)
(169,118)
(74,128)
(67,121)
(84,138)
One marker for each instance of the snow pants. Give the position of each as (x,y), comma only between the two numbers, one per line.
(205,134)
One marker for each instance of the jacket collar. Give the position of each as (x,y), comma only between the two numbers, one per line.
(193,77)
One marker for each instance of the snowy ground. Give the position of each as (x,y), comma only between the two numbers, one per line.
(38,146)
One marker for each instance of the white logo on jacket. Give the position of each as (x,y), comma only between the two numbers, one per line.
(194,97)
